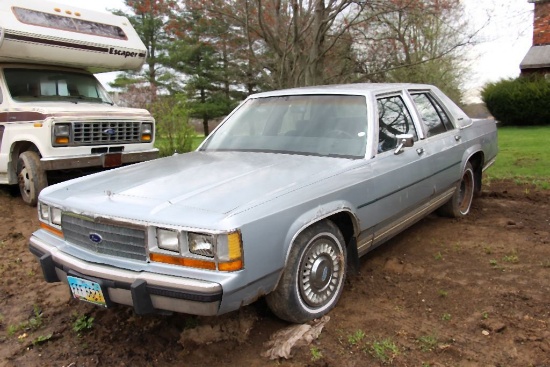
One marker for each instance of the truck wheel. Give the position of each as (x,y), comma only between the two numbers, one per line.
(459,204)
(31,177)
(313,279)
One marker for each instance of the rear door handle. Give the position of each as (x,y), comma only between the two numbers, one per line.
(420,151)
(458,137)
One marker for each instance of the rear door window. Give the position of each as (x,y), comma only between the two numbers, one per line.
(433,116)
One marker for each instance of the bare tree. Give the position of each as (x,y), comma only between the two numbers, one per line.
(422,41)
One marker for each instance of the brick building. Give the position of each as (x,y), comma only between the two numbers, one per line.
(537,59)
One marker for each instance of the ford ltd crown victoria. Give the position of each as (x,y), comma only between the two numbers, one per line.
(279,201)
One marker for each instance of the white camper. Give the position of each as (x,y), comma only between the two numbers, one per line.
(54,114)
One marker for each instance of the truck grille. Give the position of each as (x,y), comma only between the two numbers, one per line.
(103,238)
(106,132)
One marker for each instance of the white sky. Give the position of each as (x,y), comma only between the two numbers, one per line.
(503,42)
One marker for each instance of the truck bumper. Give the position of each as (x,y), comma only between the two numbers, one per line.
(146,292)
(97,160)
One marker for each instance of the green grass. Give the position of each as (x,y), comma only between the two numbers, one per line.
(197,140)
(524,155)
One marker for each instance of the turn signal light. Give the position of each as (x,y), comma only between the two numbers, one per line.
(62,140)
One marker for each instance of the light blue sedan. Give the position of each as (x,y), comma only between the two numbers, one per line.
(279,201)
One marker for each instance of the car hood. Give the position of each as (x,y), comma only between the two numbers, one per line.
(202,182)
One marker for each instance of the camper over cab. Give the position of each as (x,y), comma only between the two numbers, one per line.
(54,114)
(47,33)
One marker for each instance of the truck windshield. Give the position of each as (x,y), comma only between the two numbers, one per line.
(322,125)
(31,85)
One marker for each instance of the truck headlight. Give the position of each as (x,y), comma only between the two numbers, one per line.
(146,132)
(61,134)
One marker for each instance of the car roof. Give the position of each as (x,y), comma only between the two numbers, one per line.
(355,89)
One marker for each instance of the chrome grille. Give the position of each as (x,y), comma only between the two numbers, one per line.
(115,240)
(106,132)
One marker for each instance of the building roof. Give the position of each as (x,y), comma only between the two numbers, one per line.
(537,57)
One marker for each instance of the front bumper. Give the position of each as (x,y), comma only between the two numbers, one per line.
(146,292)
(95,160)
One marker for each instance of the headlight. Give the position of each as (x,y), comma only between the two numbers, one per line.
(222,251)
(50,218)
(62,130)
(168,240)
(146,132)
(201,244)
(44,212)
(55,215)
(61,134)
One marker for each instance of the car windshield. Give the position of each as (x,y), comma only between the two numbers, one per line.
(322,125)
(31,85)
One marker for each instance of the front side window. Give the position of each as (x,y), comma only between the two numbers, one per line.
(323,125)
(31,85)
(393,119)
(433,116)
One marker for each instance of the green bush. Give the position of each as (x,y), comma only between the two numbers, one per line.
(521,101)
(174,133)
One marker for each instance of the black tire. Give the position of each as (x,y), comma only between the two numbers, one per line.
(459,204)
(31,177)
(306,290)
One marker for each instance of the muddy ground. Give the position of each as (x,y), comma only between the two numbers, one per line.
(470,292)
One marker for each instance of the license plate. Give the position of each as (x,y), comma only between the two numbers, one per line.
(86,290)
(112,160)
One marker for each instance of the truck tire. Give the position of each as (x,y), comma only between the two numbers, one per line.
(459,204)
(313,278)
(31,177)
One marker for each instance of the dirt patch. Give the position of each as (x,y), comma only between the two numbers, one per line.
(471,292)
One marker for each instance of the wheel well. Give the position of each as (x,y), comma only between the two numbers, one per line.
(476,160)
(345,223)
(16,149)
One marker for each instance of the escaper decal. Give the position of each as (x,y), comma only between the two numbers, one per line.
(114,51)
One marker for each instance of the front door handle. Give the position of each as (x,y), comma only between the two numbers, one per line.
(420,151)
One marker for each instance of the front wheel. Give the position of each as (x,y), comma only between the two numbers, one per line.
(31,177)
(313,279)
(459,204)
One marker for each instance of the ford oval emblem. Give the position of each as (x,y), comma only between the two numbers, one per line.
(96,238)
(109,132)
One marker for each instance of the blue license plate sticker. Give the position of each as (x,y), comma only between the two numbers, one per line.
(86,290)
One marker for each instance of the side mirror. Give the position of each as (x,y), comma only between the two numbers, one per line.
(403,140)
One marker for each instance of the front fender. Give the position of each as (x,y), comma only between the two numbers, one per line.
(315,215)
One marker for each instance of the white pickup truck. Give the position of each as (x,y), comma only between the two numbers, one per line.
(54,114)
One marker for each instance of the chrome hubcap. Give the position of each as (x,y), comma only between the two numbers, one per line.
(320,272)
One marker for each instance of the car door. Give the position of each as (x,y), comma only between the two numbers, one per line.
(399,181)
(443,151)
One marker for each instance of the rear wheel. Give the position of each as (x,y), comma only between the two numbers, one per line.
(459,204)
(31,177)
(313,279)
